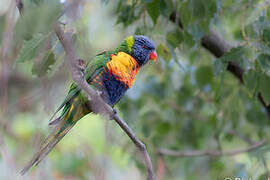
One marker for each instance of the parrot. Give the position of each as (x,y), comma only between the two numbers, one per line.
(111,73)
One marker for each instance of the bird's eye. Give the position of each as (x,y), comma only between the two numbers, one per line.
(144,47)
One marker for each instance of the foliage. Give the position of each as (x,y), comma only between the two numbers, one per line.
(29,48)
(197,108)
(187,100)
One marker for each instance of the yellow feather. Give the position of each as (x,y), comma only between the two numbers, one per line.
(124,67)
(130,42)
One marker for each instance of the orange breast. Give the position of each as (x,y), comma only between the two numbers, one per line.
(124,67)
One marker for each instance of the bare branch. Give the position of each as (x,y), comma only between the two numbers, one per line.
(212,153)
(96,102)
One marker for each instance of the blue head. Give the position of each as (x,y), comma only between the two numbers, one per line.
(141,48)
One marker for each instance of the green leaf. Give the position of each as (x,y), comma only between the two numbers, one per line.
(220,66)
(234,54)
(146,130)
(264,61)
(174,38)
(41,68)
(266,36)
(188,39)
(164,51)
(251,31)
(198,8)
(175,58)
(196,32)
(204,75)
(202,12)
(251,80)
(265,88)
(127,14)
(255,116)
(153,9)
(166,7)
(38,18)
(163,128)
(184,12)
(29,48)
(197,12)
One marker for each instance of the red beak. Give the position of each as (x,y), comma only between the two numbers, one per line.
(153,56)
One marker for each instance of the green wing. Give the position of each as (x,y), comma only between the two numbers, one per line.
(93,68)
(97,64)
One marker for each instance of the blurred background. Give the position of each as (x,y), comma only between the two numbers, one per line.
(202,109)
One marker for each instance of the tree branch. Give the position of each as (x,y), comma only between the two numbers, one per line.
(96,102)
(218,46)
(212,153)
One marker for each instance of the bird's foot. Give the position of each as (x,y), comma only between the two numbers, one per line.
(79,73)
(81,65)
(114,112)
(99,92)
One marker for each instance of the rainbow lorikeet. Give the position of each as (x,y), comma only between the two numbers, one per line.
(112,73)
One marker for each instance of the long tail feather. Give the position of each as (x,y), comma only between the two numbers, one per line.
(57,134)
(71,114)
(56,121)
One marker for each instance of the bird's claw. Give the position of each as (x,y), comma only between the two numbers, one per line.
(99,92)
(81,65)
(78,70)
(114,112)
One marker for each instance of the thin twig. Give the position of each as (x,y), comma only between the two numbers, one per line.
(96,102)
(213,153)
(241,136)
